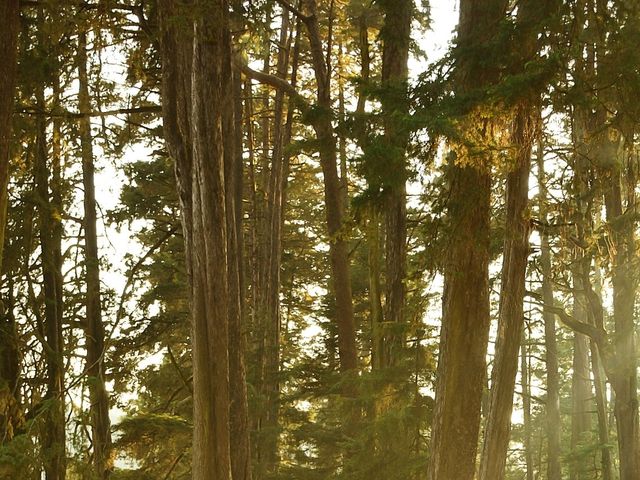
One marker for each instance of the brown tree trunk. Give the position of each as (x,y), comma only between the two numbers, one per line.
(525,373)
(511,318)
(9,413)
(553,427)
(197,84)
(234,173)
(100,423)
(334,206)
(624,373)
(396,38)
(53,436)
(461,372)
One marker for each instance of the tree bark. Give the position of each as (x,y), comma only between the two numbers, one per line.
(461,372)
(334,207)
(100,423)
(53,437)
(396,38)
(197,82)
(553,421)
(9,414)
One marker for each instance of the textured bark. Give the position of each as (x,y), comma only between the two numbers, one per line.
(53,435)
(100,423)
(553,423)
(525,373)
(461,373)
(334,207)
(239,413)
(269,256)
(396,38)
(531,14)
(510,317)
(624,372)
(197,80)
(9,412)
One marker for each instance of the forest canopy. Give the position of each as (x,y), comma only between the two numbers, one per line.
(319,239)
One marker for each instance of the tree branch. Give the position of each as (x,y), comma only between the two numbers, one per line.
(599,335)
(274,81)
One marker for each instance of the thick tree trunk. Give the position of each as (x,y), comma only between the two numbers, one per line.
(100,423)
(197,84)
(461,374)
(553,423)
(396,38)
(9,413)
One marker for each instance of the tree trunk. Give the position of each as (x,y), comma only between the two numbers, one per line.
(100,423)
(553,427)
(196,86)
(525,372)
(396,38)
(53,437)
(334,206)
(624,374)
(464,334)
(9,413)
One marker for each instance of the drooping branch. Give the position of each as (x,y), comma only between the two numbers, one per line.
(597,334)
(272,80)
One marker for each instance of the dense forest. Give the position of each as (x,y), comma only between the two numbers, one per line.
(294,240)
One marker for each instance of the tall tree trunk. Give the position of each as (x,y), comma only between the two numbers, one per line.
(624,378)
(100,423)
(269,257)
(234,173)
(197,83)
(461,372)
(525,373)
(53,437)
(511,318)
(239,415)
(9,413)
(553,421)
(396,38)
(334,206)
(515,253)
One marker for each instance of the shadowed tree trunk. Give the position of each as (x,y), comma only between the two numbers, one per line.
(9,414)
(553,427)
(461,373)
(53,436)
(100,423)
(197,90)
(396,38)
(334,206)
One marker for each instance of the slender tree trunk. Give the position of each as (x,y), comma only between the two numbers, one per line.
(334,207)
(100,423)
(553,427)
(464,334)
(234,172)
(581,394)
(525,373)
(624,375)
(515,253)
(511,318)
(53,437)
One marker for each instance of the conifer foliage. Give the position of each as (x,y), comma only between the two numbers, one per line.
(293,239)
